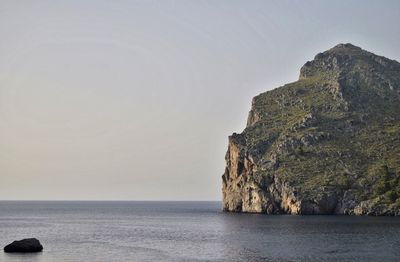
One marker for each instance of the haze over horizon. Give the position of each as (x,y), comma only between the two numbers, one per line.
(104,100)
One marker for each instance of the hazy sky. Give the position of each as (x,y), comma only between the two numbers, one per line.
(136,99)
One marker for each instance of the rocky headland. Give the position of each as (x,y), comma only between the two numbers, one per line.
(328,143)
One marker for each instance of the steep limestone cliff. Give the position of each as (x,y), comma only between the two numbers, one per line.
(328,143)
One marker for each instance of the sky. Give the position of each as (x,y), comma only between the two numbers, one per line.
(135,100)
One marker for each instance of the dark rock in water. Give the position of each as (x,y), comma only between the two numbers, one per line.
(28,245)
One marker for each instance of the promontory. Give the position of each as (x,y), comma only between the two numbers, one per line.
(328,143)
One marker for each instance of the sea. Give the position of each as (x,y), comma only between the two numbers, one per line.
(190,231)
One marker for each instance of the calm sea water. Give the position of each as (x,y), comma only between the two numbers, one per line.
(191,231)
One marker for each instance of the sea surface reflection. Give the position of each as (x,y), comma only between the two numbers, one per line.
(190,231)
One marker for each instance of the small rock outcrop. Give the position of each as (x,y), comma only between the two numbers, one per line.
(328,143)
(29,245)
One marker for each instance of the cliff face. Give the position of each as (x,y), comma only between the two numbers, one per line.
(326,144)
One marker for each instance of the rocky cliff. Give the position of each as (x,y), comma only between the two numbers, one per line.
(328,143)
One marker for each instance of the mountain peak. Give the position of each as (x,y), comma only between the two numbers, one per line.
(346,46)
(345,58)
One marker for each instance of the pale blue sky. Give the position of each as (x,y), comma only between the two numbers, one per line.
(136,99)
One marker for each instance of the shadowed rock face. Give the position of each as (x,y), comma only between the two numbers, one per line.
(28,245)
(326,144)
